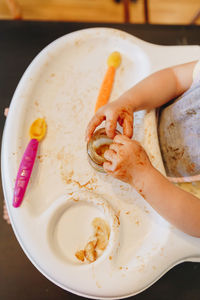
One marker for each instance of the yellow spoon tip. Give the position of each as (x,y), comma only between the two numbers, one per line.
(114,59)
(38,129)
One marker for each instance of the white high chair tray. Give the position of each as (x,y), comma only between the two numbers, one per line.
(65,194)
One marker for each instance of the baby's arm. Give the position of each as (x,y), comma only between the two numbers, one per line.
(160,87)
(127,161)
(154,91)
(179,207)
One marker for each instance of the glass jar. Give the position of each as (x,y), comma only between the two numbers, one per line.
(96,148)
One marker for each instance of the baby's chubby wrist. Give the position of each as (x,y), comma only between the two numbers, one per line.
(150,181)
(132,99)
(145,179)
(127,101)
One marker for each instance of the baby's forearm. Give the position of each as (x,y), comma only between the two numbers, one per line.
(180,208)
(160,87)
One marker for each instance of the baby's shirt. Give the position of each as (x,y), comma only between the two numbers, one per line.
(179,133)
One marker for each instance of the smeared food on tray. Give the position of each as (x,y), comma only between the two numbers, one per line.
(97,243)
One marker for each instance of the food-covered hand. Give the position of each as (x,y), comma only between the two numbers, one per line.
(117,111)
(127,161)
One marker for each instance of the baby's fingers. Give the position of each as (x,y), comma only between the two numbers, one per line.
(111,124)
(121,139)
(95,121)
(109,167)
(110,155)
(128,126)
(115,147)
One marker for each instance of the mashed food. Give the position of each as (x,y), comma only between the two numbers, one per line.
(97,243)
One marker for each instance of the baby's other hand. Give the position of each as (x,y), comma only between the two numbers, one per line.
(127,161)
(117,111)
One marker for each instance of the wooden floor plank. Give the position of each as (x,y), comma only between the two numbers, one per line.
(160,11)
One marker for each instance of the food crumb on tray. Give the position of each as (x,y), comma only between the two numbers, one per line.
(97,243)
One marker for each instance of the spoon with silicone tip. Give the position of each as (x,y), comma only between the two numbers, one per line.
(113,62)
(99,141)
(37,132)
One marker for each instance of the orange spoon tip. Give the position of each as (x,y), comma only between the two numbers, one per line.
(38,129)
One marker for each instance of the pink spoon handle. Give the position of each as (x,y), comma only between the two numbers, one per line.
(24,172)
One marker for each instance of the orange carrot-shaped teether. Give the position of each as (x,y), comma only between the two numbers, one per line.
(113,63)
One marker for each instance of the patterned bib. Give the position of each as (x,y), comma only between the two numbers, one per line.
(179,135)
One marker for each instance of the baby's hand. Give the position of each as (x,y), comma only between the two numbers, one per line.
(117,111)
(127,161)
